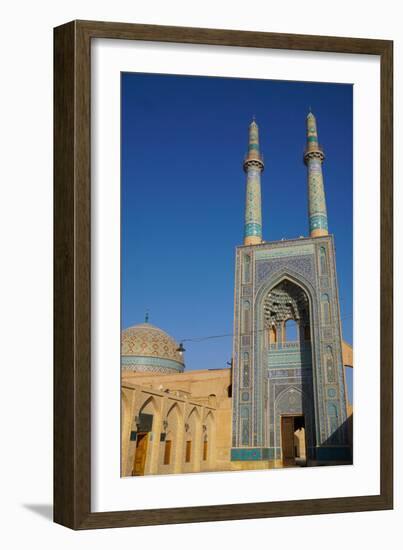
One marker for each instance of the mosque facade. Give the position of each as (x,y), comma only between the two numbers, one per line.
(283,402)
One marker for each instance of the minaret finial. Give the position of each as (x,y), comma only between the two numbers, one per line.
(253,166)
(313,158)
(146,317)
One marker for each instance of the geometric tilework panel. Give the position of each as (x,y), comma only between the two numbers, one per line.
(302,265)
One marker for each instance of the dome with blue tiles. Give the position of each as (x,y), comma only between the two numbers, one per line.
(147,348)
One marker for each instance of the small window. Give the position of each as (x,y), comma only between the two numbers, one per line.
(188,453)
(167,451)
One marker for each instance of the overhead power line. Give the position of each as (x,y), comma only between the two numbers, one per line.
(228,334)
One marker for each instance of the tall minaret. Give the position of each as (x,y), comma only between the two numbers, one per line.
(313,158)
(253,166)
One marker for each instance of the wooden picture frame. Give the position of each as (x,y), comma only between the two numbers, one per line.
(72,271)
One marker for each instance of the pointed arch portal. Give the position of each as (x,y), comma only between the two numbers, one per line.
(286,306)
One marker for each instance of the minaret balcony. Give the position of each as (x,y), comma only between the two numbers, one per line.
(314,152)
(255,162)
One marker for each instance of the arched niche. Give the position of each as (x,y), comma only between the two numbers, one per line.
(172,427)
(208,438)
(147,414)
(283,275)
(246,316)
(246,268)
(148,406)
(168,451)
(147,447)
(329,364)
(324,270)
(289,401)
(192,435)
(286,307)
(325,309)
(125,405)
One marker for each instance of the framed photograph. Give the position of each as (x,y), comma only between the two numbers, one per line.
(223,275)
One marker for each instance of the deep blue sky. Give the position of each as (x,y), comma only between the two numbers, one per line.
(183,194)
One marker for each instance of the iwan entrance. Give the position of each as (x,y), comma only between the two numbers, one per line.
(293,441)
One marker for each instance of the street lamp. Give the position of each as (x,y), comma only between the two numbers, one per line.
(181,349)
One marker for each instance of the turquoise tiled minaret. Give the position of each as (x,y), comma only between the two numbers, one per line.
(313,158)
(282,383)
(253,166)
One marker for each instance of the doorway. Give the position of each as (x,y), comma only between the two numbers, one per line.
(144,426)
(141,454)
(293,440)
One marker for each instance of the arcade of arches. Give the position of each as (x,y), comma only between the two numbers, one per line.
(175,423)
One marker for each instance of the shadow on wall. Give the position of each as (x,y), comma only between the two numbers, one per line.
(333,448)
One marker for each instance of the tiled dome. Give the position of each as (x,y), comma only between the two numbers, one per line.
(148,348)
